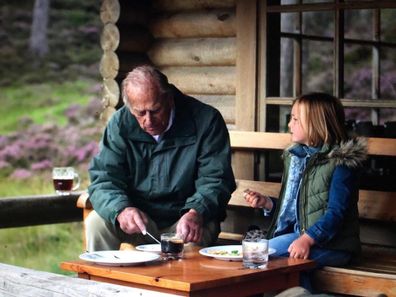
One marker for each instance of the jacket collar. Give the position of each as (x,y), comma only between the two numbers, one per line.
(182,132)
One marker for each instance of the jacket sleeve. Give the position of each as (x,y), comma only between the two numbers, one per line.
(343,183)
(215,180)
(108,174)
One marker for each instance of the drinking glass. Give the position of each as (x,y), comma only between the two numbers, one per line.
(65,180)
(255,253)
(172,246)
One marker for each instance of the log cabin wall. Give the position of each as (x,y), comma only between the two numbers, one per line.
(195,46)
(206,48)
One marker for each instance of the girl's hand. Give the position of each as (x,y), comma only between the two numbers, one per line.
(256,200)
(299,249)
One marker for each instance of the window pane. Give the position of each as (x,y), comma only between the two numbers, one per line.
(286,81)
(356,115)
(358,72)
(388,25)
(358,24)
(388,73)
(317,66)
(285,2)
(318,23)
(289,22)
(316,1)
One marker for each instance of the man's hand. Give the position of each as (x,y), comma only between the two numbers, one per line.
(190,226)
(299,249)
(132,220)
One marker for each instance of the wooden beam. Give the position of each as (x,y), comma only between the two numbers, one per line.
(109,11)
(250,140)
(202,80)
(194,52)
(39,210)
(245,105)
(380,103)
(109,65)
(110,37)
(212,23)
(176,5)
(332,6)
(223,103)
(373,205)
(259,140)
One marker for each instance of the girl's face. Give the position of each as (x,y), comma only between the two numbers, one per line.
(297,125)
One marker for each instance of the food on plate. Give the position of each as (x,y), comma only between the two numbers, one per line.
(225,253)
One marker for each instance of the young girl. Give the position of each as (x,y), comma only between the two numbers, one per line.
(316,215)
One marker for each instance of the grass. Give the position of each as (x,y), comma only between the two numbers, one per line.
(40,102)
(36,185)
(40,247)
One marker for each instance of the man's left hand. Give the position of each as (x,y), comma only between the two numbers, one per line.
(190,226)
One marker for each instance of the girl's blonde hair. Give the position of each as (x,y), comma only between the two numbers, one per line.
(325,118)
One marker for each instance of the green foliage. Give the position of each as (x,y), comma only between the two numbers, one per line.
(44,102)
(39,184)
(41,247)
(48,92)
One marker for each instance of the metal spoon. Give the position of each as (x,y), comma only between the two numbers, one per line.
(144,232)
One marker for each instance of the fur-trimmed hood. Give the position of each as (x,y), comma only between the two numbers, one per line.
(351,153)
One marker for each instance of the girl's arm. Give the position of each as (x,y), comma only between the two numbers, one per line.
(257,200)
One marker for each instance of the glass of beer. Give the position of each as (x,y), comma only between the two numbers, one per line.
(65,180)
(172,246)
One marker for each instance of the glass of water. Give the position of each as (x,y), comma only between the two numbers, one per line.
(255,252)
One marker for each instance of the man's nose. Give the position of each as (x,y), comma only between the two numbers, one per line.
(148,117)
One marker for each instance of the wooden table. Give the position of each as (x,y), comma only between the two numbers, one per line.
(197,275)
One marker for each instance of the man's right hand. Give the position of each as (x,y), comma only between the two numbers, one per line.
(132,220)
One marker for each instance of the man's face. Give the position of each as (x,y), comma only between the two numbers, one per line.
(150,109)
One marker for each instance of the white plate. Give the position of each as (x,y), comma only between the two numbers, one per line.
(228,252)
(226,249)
(119,258)
(154,248)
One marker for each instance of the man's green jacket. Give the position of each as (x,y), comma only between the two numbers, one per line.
(189,168)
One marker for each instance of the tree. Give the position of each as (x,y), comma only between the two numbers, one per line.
(38,44)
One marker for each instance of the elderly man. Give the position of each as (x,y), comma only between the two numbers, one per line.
(164,166)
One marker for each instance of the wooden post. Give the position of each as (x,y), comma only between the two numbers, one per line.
(245,107)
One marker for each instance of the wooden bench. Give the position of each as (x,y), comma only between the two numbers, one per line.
(376,272)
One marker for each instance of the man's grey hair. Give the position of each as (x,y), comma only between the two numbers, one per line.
(145,75)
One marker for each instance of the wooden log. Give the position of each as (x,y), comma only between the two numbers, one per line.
(106,114)
(174,5)
(111,93)
(194,51)
(109,11)
(225,104)
(109,65)
(19,281)
(39,210)
(202,80)
(110,37)
(134,38)
(215,23)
